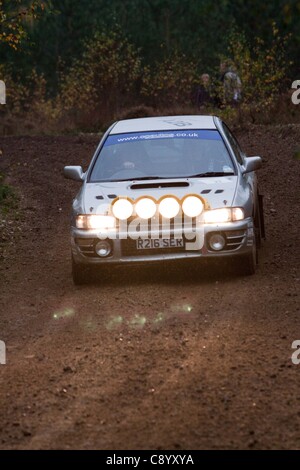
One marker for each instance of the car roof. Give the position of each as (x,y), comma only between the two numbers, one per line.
(162,123)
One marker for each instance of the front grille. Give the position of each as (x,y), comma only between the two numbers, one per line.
(234,239)
(86,246)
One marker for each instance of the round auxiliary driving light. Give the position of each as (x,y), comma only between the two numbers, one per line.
(217,242)
(122,209)
(192,206)
(103,249)
(145,208)
(169,207)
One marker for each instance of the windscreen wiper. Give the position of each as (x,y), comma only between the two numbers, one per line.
(140,178)
(211,173)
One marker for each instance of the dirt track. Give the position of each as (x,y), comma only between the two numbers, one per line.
(174,358)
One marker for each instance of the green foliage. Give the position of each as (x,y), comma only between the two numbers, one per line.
(104,77)
(28,106)
(262,69)
(169,82)
(157,28)
(5,192)
(92,59)
(8,198)
(13,18)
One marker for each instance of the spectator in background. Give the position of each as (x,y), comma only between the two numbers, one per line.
(201,94)
(232,85)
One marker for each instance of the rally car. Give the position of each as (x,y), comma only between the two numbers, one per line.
(166,188)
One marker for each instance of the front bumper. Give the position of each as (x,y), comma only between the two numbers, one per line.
(239,241)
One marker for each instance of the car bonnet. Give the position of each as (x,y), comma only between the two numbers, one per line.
(217,191)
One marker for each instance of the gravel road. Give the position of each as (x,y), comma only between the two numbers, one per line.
(176,357)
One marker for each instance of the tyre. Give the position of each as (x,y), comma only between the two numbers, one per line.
(80,273)
(257,227)
(259,221)
(262,216)
(249,262)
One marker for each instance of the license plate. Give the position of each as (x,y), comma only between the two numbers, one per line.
(154,243)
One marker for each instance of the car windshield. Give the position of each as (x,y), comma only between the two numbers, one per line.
(166,154)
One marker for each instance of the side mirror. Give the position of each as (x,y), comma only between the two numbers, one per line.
(252,164)
(74,173)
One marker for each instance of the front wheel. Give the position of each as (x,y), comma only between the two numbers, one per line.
(80,273)
(259,221)
(249,261)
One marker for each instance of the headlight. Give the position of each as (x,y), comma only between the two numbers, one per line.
(238,213)
(97,222)
(122,209)
(226,214)
(192,206)
(145,208)
(169,207)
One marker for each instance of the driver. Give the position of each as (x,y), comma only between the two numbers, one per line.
(121,162)
(127,165)
(124,160)
(130,157)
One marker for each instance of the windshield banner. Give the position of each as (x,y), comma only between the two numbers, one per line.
(144,136)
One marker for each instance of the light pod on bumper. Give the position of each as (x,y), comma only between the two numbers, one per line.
(103,249)
(217,242)
(192,206)
(169,207)
(122,208)
(145,208)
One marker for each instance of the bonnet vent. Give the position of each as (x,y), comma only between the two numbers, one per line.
(179,184)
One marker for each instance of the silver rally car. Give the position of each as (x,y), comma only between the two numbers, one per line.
(166,188)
